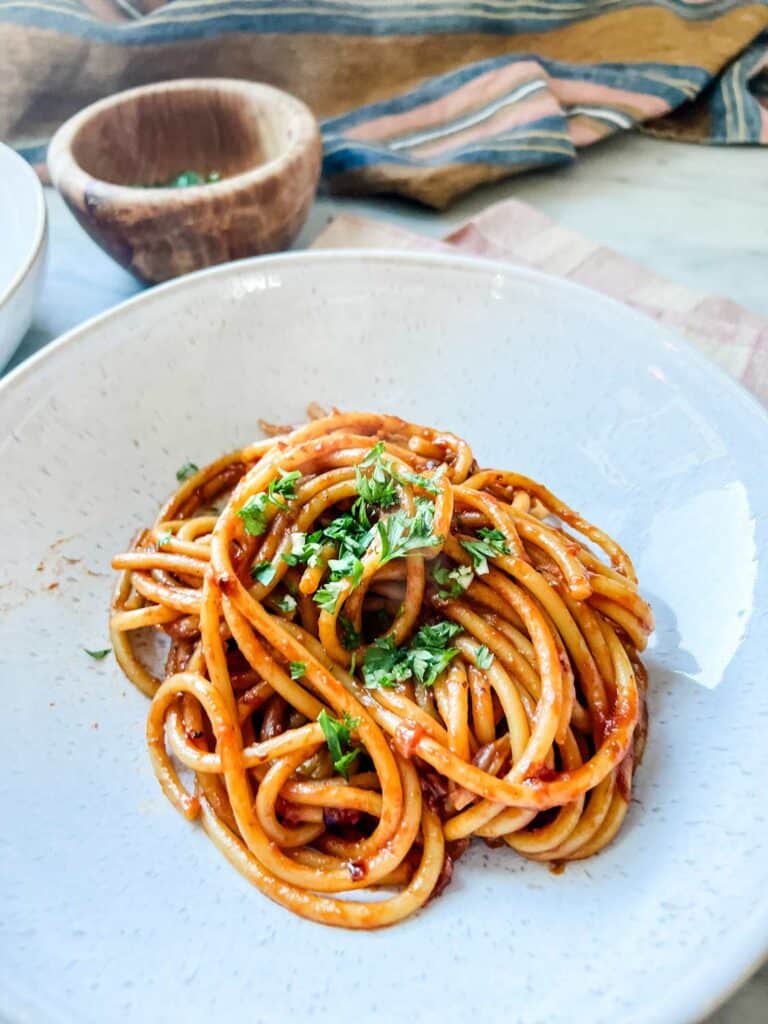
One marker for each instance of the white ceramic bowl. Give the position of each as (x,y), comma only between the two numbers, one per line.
(113,908)
(23,238)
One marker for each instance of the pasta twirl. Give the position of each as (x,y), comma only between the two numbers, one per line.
(376,652)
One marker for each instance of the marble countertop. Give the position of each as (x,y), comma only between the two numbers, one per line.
(698,215)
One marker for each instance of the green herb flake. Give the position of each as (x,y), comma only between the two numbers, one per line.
(254,511)
(186,179)
(430,655)
(283,487)
(186,471)
(285,604)
(297,669)
(426,483)
(254,514)
(263,572)
(295,552)
(453,581)
(338,736)
(400,534)
(348,566)
(375,481)
(350,638)
(491,544)
(327,597)
(98,655)
(426,658)
(164,539)
(483,657)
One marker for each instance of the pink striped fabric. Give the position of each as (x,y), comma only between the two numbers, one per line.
(735,338)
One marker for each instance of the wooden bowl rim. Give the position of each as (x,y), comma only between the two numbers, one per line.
(69,176)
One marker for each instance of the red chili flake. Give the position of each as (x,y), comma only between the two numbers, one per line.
(357,869)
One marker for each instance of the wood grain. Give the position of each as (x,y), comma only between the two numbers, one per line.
(263,142)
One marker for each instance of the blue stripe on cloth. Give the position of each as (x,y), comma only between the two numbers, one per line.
(735,109)
(525,143)
(632,77)
(191,20)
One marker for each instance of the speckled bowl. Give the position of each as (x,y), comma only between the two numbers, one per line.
(114,908)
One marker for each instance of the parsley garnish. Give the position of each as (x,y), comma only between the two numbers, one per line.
(327,597)
(400,534)
(283,487)
(186,471)
(286,604)
(426,658)
(483,657)
(385,664)
(350,638)
(377,487)
(164,538)
(254,511)
(491,544)
(454,581)
(297,669)
(337,736)
(98,655)
(254,514)
(348,565)
(424,482)
(263,572)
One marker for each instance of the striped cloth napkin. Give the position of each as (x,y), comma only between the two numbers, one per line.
(732,336)
(426,99)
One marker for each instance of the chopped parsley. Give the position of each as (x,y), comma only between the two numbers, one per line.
(285,604)
(254,511)
(338,736)
(400,533)
(352,540)
(164,538)
(430,654)
(297,669)
(378,486)
(327,597)
(385,664)
(483,657)
(98,655)
(254,514)
(282,487)
(350,638)
(453,581)
(424,482)
(186,471)
(185,179)
(348,565)
(491,544)
(351,533)
(377,477)
(263,572)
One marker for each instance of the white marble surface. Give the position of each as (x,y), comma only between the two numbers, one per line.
(698,215)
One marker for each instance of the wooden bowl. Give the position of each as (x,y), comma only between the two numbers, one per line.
(263,143)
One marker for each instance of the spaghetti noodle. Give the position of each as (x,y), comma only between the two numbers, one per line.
(377,652)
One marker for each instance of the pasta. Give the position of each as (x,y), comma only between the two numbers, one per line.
(376,652)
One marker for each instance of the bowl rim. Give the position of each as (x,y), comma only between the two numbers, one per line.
(32,255)
(68,175)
